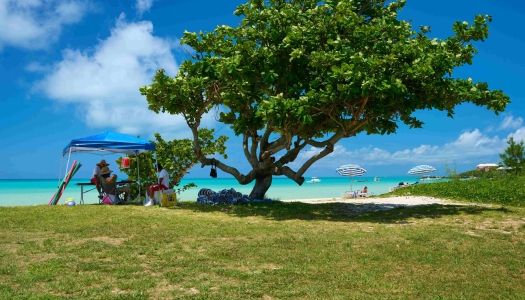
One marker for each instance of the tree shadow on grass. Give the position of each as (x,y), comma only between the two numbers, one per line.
(340,212)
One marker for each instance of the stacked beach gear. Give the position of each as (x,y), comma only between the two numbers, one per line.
(62,187)
(231,196)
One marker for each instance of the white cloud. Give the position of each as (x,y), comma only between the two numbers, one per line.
(34,24)
(510,123)
(468,147)
(474,141)
(104,81)
(37,67)
(143,6)
(519,135)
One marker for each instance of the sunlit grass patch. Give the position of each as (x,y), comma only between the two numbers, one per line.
(277,250)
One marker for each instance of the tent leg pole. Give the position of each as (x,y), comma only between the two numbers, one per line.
(156,167)
(138,175)
(158,181)
(60,172)
(68,157)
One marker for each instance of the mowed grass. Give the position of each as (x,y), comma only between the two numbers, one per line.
(262,251)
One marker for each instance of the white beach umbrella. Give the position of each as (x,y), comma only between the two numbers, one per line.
(350,170)
(421,169)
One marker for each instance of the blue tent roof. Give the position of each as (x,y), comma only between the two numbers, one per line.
(110,141)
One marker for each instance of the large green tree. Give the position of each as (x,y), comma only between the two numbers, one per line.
(310,73)
(514,156)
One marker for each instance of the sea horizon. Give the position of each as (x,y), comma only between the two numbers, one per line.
(24,192)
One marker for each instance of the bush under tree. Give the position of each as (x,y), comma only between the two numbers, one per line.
(175,156)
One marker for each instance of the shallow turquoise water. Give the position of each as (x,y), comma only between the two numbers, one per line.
(40,191)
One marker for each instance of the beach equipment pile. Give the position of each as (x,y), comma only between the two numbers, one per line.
(231,196)
(63,185)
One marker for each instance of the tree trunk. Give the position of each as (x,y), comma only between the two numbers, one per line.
(262,184)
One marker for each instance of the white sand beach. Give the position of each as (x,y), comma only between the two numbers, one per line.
(369,204)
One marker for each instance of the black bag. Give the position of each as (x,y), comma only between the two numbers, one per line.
(213,171)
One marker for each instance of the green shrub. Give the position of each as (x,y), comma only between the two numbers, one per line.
(505,190)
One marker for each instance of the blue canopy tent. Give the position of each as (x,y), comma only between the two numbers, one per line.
(108,141)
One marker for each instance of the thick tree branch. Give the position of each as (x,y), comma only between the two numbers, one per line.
(355,125)
(332,140)
(255,144)
(290,156)
(361,108)
(327,150)
(242,179)
(280,169)
(266,135)
(273,147)
(286,171)
(247,153)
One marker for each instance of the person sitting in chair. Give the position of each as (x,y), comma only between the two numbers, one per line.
(164,183)
(96,174)
(364,190)
(109,185)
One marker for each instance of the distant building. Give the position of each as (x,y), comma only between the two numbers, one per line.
(486,167)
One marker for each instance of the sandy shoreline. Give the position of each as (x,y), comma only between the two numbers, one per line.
(360,205)
(402,200)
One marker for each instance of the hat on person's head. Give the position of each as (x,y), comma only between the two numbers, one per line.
(102,162)
(105,170)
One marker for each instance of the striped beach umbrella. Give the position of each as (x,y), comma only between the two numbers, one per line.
(421,169)
(350,170)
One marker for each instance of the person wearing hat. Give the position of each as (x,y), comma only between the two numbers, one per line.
(110,183)
(96,174)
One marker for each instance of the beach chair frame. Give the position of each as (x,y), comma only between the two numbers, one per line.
(110,189)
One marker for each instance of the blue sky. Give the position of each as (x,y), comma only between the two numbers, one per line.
(72,68)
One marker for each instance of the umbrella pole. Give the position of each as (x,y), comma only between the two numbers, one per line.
(138,176)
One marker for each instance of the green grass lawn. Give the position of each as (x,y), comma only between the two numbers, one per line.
(261,251)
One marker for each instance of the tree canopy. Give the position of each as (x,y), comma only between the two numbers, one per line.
(309,73)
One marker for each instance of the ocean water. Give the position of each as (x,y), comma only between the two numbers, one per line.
(14,192)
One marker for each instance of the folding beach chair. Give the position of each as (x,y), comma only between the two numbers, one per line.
(110,193)
(349,194)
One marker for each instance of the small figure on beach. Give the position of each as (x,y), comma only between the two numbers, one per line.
(163,179)
(364,190)
(96,174)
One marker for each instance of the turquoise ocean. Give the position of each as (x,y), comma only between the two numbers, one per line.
(23,192)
